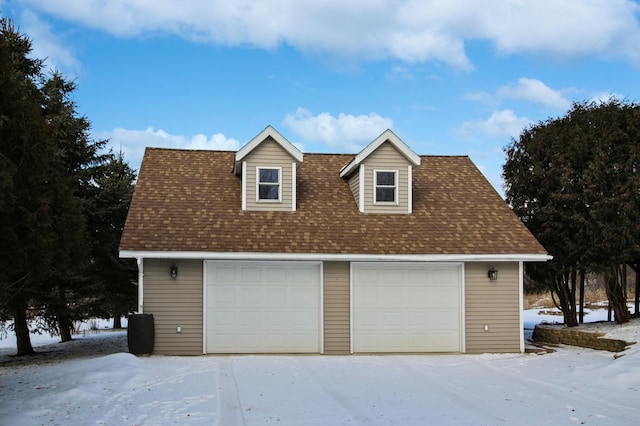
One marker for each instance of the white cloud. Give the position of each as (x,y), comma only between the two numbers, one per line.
(46,44)
(569,28)
(411,31)
(534,91)
(482,97)
(133,142)
(345,132)
(400,73)
(500,124)
(526,89)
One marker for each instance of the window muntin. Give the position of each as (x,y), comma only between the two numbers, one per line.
(385,186)
(269,184)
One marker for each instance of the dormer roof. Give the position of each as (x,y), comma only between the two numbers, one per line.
(386,136)
(261,137)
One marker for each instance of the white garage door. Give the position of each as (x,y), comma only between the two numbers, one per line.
(406,307)
(263,307)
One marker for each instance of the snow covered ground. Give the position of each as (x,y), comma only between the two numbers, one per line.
(569,386)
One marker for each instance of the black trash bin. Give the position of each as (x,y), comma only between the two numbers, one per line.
(140,333)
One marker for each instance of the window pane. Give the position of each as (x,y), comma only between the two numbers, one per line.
(268,192)
(385,194)
(386,178)
(269,175)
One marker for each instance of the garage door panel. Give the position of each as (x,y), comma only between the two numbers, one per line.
(276,275)
(391,276)
(393,318)
(263,307)
(249,296)
(222,318)
(302,275)
(390,297)
(302,295)
(415,277)
(442,276)
(225,296)
(445,318)
(249,275)
(274,296)
(443,341)
(225,274)
(443,297)
(406,308)
(416,319)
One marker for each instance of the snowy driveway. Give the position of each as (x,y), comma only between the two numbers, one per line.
(572,386)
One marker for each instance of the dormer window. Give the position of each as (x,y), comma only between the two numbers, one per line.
(269,184)
(385,186)
(380,176)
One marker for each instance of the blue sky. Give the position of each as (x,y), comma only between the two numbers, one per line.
(450,77)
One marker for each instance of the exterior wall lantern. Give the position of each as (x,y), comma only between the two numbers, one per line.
(173,271)
(493,274)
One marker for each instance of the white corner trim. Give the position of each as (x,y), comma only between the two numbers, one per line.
(321,310)
(463,309)
(244,185)
(351,308)
(204,306)
(140,263)
(520,301)
(361,189)
(410,189)
(293,187)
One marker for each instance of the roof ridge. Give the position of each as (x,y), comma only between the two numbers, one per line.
(162,148)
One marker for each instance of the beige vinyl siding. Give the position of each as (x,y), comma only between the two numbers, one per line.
(386,157)
(354,184)
(492,303)
(336,308)
(175,303)
(269,154)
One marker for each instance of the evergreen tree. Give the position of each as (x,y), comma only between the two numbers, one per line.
(574,182)
(76,161)
(62,204)
(26,163)
(108,205)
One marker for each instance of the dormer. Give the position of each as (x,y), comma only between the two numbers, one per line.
(267,165)
(380,176)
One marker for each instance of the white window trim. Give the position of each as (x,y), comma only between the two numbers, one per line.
(375,185)
(258,199)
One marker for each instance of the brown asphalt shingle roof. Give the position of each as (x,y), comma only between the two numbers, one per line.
(191,201)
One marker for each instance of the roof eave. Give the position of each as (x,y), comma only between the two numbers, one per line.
(354,257)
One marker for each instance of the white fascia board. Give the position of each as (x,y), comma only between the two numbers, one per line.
(208,255)
(348,168)
(387,135)
(281,140)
